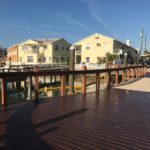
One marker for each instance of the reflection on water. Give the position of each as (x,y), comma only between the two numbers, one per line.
(48,87)
(51,93)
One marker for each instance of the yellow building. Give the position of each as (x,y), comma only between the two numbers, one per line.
(42,51)
(91,48)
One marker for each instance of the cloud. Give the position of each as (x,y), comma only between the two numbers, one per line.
(70,20)
(26,28)
(94,7)
(52,27)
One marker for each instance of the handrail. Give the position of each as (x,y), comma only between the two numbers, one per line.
(63,72)
(133,71)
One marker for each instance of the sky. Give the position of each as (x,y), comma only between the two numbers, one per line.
(73,20)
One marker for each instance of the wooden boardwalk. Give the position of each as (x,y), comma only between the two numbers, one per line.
(113,119)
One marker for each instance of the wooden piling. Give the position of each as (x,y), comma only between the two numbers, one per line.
(36,85)
(3,91)
(97,83)
(84,81)
(63,85)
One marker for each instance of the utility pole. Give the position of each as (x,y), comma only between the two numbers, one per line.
(145,43)
(141,39)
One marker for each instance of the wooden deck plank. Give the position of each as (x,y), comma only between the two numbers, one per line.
(114,119)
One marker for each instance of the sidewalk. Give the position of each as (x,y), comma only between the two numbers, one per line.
(140,85)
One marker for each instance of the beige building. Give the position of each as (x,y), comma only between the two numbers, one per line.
(42,51)
(91,48)
(13,53)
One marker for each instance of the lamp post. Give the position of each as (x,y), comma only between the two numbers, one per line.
(125,59)
(71,68)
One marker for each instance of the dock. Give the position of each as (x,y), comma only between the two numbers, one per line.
(114,118)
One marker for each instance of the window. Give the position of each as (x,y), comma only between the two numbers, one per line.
(24,47)
(67,48)
(98,45)
(62,47)
(87,59)
(30,58)
(35,49)
(56,47)
(87,46)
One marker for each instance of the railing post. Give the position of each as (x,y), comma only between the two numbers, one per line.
(128,74)
(29,91)
(36,84)
(133,73)
(97,83)
(51,79)
(84,81)
(71,68)
(140,71)
(25,88)
(123,76)
(136,72)
(3,91)
(145,70)
(116,77)
(109,79)
(63,85)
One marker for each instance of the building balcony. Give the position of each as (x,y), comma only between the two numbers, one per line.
(78,52)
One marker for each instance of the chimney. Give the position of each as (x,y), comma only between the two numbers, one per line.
(128,42)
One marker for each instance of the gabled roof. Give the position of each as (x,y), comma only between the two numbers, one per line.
(13,46)
(95,34)
(125,44)
(41,41)
(29,41)
(49,40)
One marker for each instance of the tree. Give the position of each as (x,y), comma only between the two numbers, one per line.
(112,57)
(99,60)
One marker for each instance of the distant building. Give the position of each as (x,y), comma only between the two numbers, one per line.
(40,51)
(92,47)
(3,56)
(3,51)
(13,53)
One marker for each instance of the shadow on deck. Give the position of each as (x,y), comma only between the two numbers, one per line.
(114,119)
